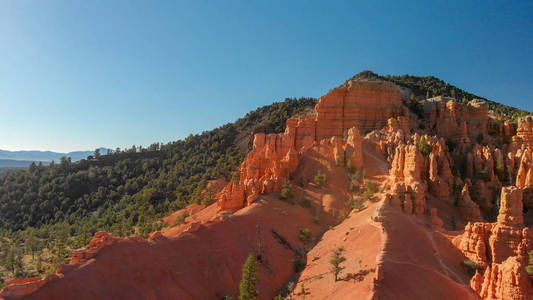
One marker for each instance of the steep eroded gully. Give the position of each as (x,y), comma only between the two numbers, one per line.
(398,256)
(361,239)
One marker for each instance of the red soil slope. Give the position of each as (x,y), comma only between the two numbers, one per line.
(203,264)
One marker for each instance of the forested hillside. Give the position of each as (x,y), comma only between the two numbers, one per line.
(59,207)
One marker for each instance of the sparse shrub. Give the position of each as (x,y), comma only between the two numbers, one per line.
(359,175)
(367,195)
(208,198)
(424,147)
(529,268)
(355,204)
(353,187)
(336,260)
(302,290)
(470,267)
(371,186)
(287,290)
(370,189)
(286,190)
(500,168)
(320,179)
(181,219)
(305,234)
(349,166)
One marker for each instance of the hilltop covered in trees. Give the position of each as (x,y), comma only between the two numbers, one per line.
(423,87)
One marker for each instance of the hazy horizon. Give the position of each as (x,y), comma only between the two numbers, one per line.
(75,76)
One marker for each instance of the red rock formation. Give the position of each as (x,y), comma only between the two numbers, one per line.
(459,122)
(434,218)
(100,240)
(343,112)
(468,207)
(441,180)
(524,176)
(362,104)
(524,132)
(354,148)
(507,242)
(473,243)
(508,280)
(19,288)
(406,167)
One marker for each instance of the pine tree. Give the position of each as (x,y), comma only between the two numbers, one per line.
(10,261)
(286,190)
(39,265)
(248,284)
(424,147)
(336,260)
(19,266)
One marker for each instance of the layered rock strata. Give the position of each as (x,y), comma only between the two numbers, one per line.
(459,122)
(340,117)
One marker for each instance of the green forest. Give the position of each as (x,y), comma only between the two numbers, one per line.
(47,211)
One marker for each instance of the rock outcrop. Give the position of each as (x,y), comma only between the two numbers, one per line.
(366,105)
(502,249)
(468,207)
(100,240)
(336,127)
(524,132)
(459,122)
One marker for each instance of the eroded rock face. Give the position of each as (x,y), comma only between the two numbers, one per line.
(365,105)
(459,122)
(100,240)
(502,249)
(508,280)
(336,128)
(524,132)
(468,207)
(524,175)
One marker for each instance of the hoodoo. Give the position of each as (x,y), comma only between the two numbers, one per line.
(345,112)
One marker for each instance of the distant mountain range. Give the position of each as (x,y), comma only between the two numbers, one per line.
(25,158)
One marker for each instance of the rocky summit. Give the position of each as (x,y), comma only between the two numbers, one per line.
(377,193)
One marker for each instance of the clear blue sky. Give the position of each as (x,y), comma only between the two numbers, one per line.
(76,75)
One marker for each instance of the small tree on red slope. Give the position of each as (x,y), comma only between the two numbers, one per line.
(248,290)
(336,260)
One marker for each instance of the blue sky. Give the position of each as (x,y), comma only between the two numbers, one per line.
(76,75)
